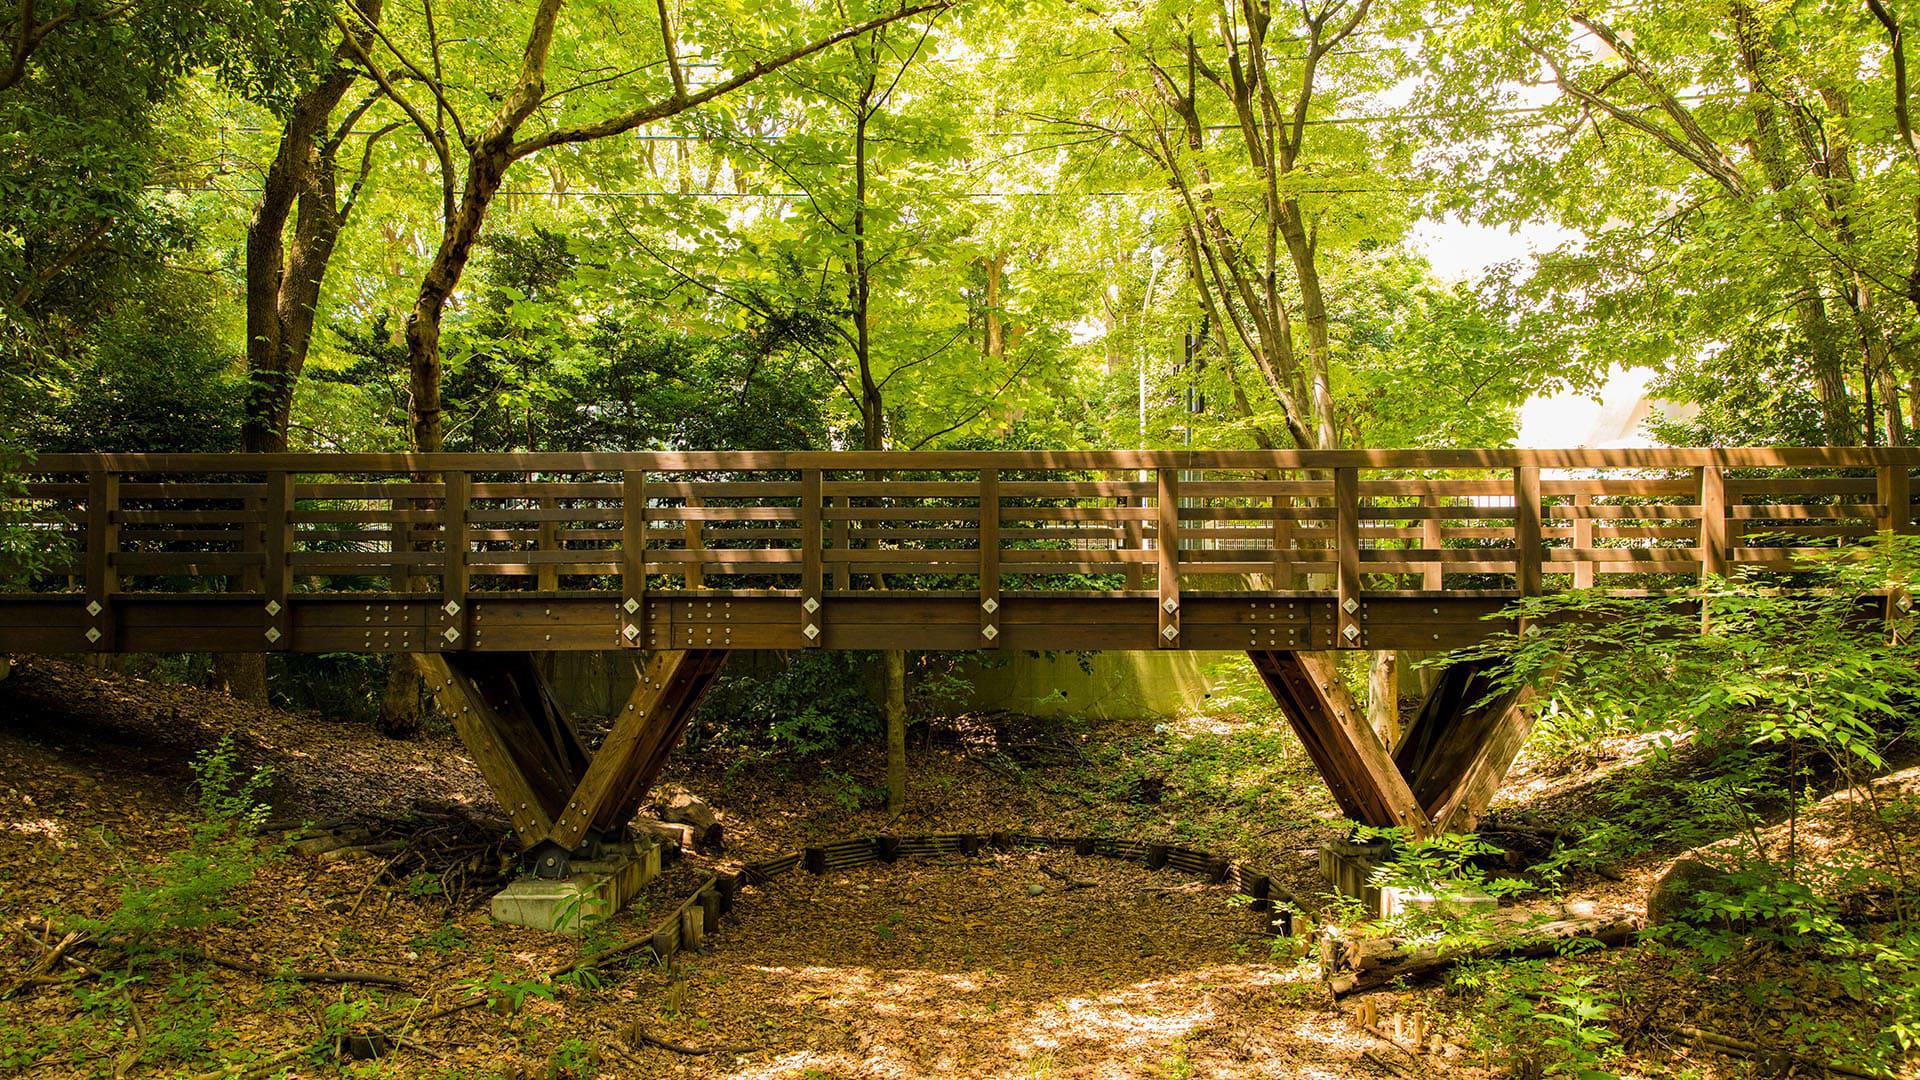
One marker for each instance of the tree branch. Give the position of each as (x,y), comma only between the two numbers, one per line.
(660,110)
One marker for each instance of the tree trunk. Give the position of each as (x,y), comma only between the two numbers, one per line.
(400,703)
(996,344)
(896,669)
(1383,696)
(283,287)
(241,675)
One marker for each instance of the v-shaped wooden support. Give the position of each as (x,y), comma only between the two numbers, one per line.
(1354,762)
(531,755)
(1445,770)
(1459,748)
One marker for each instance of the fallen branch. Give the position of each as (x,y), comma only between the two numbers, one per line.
(1350,964)
(38,974)
(248,967)
(1727,1044)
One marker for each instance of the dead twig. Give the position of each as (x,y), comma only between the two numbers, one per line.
(1071,882)
(247,967)
(638,1035)
(1727,1044)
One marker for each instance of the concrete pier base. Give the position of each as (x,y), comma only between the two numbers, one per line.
(595,890)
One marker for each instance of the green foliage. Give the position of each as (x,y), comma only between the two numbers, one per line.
(187,889)
(1782,697)
(797,704)
(1548,1022)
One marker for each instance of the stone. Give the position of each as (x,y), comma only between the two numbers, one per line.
(1672,897)
(1036,890)
(684,808)
(688,809)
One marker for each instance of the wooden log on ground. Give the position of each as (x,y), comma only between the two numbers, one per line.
(1348,964)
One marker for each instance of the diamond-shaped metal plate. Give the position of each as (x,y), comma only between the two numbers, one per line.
(811,631)
(631,605)
(1350,606)
(811,605)
(451,607)
(1905,603)
(989,632)
(1170,604)
(452,634)
(93,607)
(989,605)
(1352,632)
(273,634)
(630,632)
(93,633)
(1170,633)
(273,607)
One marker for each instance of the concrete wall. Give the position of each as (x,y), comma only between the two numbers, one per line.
(1120,685)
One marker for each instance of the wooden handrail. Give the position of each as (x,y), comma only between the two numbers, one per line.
(1335,526)
(970,460)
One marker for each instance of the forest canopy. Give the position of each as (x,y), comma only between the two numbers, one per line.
(948,223)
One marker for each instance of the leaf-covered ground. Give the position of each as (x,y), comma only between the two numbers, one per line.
(929,967)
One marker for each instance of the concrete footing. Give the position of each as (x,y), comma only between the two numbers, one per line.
(1350,869)
(595,890)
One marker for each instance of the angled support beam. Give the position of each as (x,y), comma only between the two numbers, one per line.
(528,754)
(1459,748)
(554,791)
(1356,765)
(667,688)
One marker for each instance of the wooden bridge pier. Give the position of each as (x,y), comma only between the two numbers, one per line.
(475,562)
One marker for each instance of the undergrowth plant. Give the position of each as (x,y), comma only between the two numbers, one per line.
(1762,702)
(188,888)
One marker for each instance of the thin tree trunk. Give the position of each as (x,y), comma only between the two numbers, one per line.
(896,677)
(1383,696)
(996,344)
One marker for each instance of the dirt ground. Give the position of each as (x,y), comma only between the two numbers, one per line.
(939,967)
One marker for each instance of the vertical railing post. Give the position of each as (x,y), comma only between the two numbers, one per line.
(401,536)
(1894,489)
(696,543)
(636,624)
(812,557)
(1133,536)
(455,620)
(547,575)
(1349,617)
(103,541)
(1282,540)
(1166,542)
(1895,496)
(842,532)
(1582,541)
(1714,546)
(1529,553)
(1433,575)
(277,577)
(989,558)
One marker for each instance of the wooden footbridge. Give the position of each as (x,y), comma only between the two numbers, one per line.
(475,562)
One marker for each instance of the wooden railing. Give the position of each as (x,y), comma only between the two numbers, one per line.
(1342,524)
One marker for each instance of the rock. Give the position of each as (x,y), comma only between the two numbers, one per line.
(1036,890)
(677,835)
(1672,897)
(688,809)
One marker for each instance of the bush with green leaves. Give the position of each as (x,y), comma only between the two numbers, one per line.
(1782,694)
(188,888)
(802,703)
